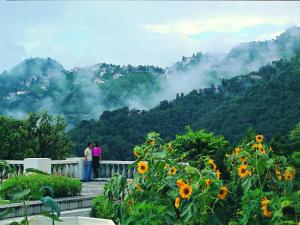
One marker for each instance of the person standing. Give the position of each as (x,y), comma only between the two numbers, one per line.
(88,162)
(96,157)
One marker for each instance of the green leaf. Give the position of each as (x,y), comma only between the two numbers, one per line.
(14,223)
(159,155)
(246,184)
(187,213)
(191,170)
(261,166)
(21,195)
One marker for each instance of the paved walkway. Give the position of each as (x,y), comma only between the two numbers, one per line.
(92,188)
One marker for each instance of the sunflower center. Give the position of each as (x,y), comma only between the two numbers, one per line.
(221,192)
(143,167)
(186,191)
(243,170)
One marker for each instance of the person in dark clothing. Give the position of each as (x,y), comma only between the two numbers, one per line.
(96,158)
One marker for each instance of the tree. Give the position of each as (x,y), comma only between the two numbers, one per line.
(38,135)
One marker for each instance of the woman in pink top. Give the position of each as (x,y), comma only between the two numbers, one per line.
(96,157)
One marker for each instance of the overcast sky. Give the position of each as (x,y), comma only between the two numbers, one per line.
(136,32)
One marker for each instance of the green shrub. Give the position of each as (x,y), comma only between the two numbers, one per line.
(193,145)
(104,208)
(62,186)
(3,201)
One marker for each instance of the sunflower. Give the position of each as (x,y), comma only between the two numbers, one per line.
(278,174)
(223,193)
(265,201)
(208,182)
(177,202)
(242,171)
(259,138)
(185,191)
(236,151)
(218,175)
(262,149)
(142,167)
(151,142)
(266,211)
(259,147)
(213,165)
(138,187)
(172,171)
(243,159)
(180,183)
(289,174)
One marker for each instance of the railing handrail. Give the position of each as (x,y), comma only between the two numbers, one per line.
(63,162)
(114,162)
(16,162)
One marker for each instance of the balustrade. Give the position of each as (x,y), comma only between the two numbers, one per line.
(64,167)
(108,168)
(74,167)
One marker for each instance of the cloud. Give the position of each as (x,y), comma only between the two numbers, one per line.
(220,24)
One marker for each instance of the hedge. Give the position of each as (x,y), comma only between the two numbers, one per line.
(62,186)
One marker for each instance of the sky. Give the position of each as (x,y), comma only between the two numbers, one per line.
(78,33)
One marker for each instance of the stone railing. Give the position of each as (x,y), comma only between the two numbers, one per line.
(71,167)
(64,167)
(108,168)
(18,165)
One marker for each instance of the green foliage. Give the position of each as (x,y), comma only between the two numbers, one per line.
(103,207)
(294,136)
(156,214)
(193,145)
(261,186)
(6,170)
(24,193)
(62,186)
(114,188)
(38,135)
(155,189)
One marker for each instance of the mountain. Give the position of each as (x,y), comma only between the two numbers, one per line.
(267,100)
(244,58)
(84,93)
(36,84)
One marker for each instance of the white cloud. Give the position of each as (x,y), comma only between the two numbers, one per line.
(269,36)
(220,24)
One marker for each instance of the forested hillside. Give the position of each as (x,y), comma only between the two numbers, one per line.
(267,100)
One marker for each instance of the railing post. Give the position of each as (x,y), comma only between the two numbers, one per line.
(78,169)
(107,171)
(124,170)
